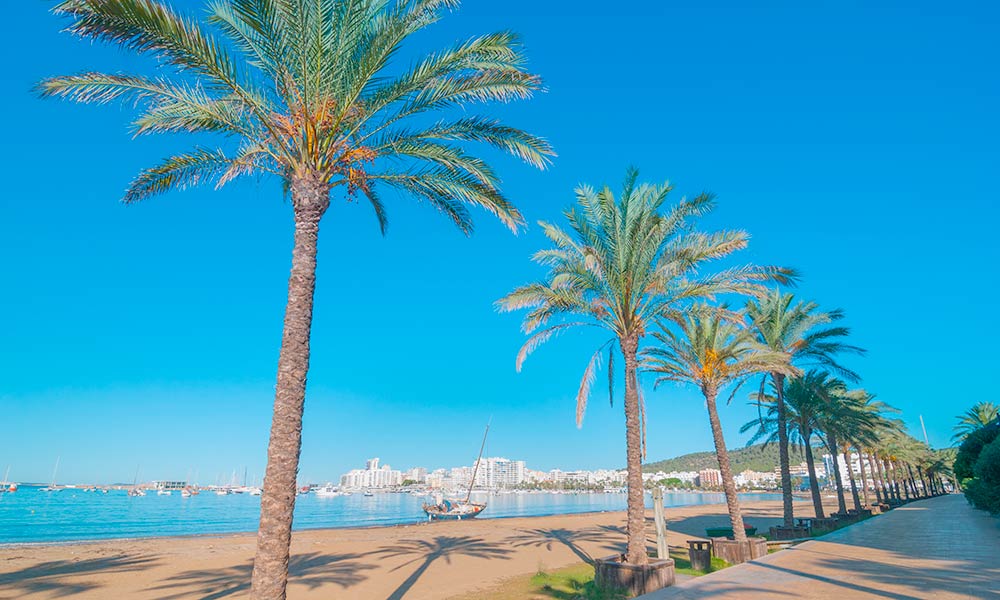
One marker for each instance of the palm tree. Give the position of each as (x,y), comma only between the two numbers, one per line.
(307,91)
(712,353)
(801,331)
(803,406)
(860,432)
(622,265)
(843,418)
(982,413)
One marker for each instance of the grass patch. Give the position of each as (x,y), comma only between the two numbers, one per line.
(576,582)
(682,566)
(572,583)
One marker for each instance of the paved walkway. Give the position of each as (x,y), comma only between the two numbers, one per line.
(936,548)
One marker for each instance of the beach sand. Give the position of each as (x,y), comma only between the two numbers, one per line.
(416,562)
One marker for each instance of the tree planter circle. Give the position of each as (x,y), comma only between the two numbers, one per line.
(611,573)
(734,552)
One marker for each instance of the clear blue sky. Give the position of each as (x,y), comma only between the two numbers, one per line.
(857,143)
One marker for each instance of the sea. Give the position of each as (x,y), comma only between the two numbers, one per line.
(34,516)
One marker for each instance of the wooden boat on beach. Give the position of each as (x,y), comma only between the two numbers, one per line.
(455,510)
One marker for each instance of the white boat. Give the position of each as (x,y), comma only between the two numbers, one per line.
(52,487)
(162,492)
(185,494)
(327,491)
(222,492)
(136,492)
(256,491)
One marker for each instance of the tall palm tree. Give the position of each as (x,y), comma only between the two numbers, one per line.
(982,413)
(624,263)
(308,92)
(803,406)
(800,330)
(712,353)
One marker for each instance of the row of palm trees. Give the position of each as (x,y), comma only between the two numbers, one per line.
(637,269)
(843,421)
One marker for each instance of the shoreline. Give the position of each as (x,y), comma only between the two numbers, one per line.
(230,534)
(416,520)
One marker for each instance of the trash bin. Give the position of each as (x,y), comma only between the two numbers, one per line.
(700,554)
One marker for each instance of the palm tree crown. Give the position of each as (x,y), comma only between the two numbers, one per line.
(983,413)
(711,351)
(800,330)
(625,264)
(302,90)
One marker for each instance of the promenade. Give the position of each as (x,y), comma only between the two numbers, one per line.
(938,548)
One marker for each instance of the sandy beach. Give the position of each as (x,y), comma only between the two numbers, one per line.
(427,561)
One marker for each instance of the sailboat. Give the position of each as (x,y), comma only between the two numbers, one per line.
(52,487)
(135,491)
(6,485)
(454,510)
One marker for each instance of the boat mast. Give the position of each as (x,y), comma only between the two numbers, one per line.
(54,471)
(478,460)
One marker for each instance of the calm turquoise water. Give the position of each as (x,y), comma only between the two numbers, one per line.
(31,515)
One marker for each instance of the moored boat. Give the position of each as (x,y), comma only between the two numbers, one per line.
(327,491)
(456,510)
(452,510)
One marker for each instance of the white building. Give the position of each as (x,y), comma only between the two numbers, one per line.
(498,472)
(372,476)
(417,474)
(854,465)
(710,478)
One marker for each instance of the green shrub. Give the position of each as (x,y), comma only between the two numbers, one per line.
(984,490)
(968,452)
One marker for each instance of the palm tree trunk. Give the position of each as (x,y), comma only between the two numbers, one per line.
(728,484)
(864,477)
(832,446)
(636,520)
(891,477)
(880,493)
(883,480)
(813,483)
(850,476)
(788,514)
(923,482)
(310,199)
(913,484)
(901,480)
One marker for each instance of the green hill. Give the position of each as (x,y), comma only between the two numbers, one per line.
(755,458)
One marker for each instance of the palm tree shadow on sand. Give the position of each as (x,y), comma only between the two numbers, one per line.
(54,578)
(426,552)
(611,536)
(312,570)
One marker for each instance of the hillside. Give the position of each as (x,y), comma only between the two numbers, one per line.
(756,458)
